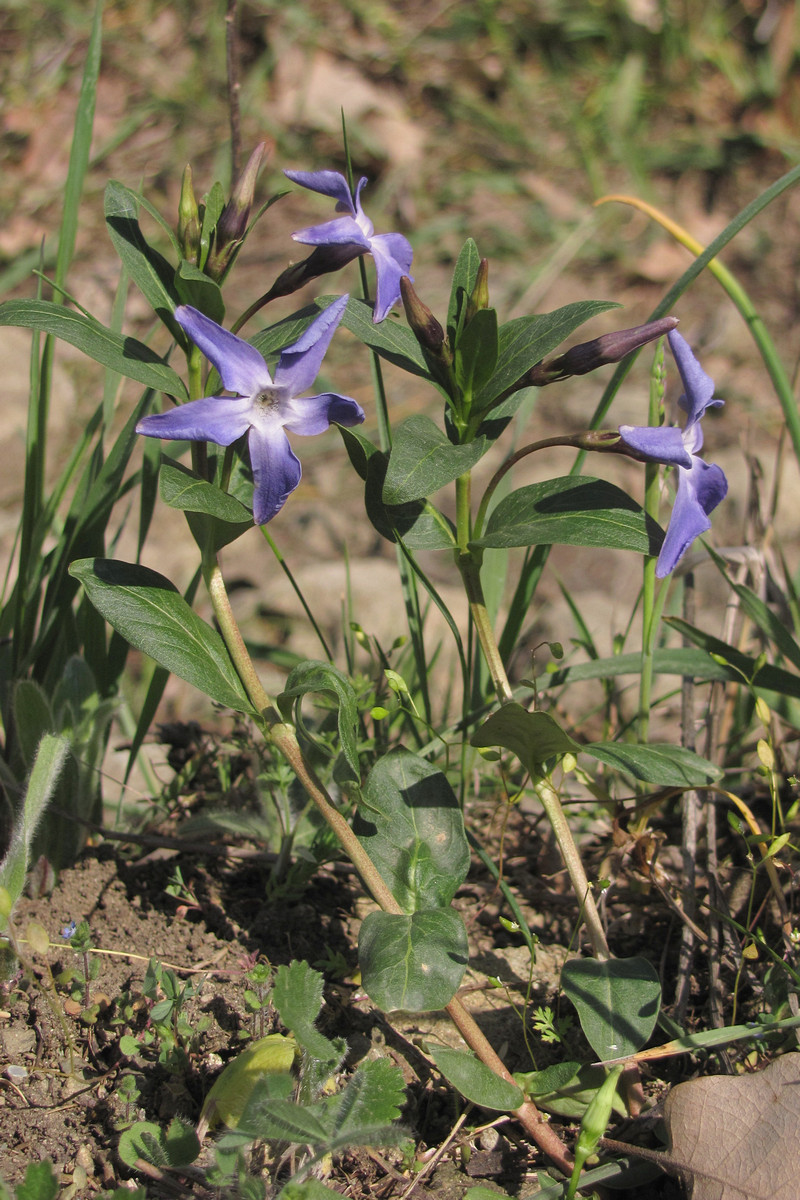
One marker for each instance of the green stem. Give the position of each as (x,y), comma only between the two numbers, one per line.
(283,738)
(470,573)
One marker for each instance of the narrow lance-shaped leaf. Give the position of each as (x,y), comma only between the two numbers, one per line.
(126,355)
(526,340)
(150,613)
(149,270)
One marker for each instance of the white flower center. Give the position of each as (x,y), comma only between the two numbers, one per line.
(269,401)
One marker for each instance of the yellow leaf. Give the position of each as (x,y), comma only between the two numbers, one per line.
(226,1101)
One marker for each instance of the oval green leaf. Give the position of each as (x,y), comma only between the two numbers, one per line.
(533,736)
(617,1002)
(413,962)
(572,511)
(475,1081)
(411,825)
(423,459)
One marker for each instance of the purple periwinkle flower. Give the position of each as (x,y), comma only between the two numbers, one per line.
(260,407)
(701,485)
(354,234)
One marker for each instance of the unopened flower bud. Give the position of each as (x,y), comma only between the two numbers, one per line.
(480,293)
(188,218)
(428,331)
(588,356)
(232,224)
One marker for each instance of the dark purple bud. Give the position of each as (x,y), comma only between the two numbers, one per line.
(588,356)
(427,330)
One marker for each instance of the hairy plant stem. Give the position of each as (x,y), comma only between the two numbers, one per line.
(527,1114)
(283,738)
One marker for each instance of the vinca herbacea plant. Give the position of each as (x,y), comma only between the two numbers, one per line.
(389,769)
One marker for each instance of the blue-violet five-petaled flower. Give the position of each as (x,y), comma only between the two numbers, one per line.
(701,485)
(261,407)
(354,234)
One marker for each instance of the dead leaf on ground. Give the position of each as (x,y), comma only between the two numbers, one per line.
(738,1137)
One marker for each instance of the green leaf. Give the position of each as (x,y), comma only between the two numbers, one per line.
(373,1096)
(313,676)
(476,353)
(214,202)
(183,489)
(474,1080)
(617,1002)
(411,825)
(142,1140)
(465,277)
(526,340)
(423,459)
(180,1143)
(391,341)
(149,612)
(33,717)
(283,1120)
(662,764)
(534,737)
(40,1182)
(359,450)
(297,995)
(679,660)
(148,269)
(126,355)
(413,962)
(48,764)
(418,524)
(572,511)
(571,1091)
(196,288)
(224,518)
(761,675)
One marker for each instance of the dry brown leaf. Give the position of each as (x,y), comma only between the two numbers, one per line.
(738,1137)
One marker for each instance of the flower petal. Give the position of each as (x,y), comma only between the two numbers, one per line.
(314,414)
(298,365)
(276,470)
(698,387)
(699,492)
(342,231)
(241,368)
(364,223)
(219,419)
(327,183)
(392,254)
(664,444)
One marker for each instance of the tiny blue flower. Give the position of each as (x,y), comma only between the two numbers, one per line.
(260,407)
(355,234)
(701,485)
(69,931)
